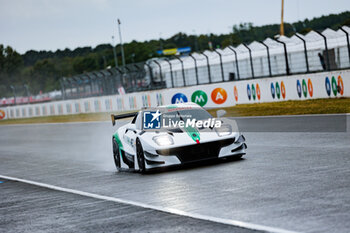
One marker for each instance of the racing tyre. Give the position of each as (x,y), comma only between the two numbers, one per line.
(116,154)
(140,156)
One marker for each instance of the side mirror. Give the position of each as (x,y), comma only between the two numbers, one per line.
(220,113)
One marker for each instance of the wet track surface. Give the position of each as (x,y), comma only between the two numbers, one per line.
(296,180)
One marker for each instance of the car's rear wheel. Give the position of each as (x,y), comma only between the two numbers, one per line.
(140,156)
(116,154)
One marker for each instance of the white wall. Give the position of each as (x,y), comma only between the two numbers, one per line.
(219,94)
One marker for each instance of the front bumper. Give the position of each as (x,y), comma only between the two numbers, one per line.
(197,152)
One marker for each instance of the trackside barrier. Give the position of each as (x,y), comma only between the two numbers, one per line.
(295,87)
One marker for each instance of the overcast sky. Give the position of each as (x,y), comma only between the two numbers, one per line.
(60,24)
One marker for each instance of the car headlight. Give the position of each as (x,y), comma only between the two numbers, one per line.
(224,130)
(163,140)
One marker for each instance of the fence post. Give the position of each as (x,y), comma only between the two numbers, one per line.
(347,40)
(285,55)
(105,86)
(171,72)
(62,89)
(127,72)
(222,68)
(150,73)
(69,80)
(160,71)
(110,81)
(121,73)
(27,90)
(305,51)
(14,94)
(139,70)
(208,66)
(251,59)
(234,51)
(326,47)
(195,67)
(268,57)
(183,70)
(91,84)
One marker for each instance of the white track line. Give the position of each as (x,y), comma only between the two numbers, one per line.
(236,223)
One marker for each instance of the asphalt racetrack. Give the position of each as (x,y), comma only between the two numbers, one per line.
(295,176)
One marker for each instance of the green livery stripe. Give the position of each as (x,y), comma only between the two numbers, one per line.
(117,139)
(193,133)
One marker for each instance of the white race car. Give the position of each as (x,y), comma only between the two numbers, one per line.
(188,133)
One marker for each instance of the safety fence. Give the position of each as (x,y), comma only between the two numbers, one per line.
(282,88)
(299,54)
(314,52)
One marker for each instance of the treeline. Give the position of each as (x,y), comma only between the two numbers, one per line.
(41,70)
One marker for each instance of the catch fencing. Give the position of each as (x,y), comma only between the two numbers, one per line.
(282,88)
(299,54)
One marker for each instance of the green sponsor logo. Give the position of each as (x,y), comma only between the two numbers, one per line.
(253,91)
(278,90)
(304,88)
(199,97)
(334,86)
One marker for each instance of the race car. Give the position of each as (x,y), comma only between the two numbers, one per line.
(173,135)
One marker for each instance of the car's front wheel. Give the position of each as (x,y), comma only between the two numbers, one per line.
(116,154)
(140,156)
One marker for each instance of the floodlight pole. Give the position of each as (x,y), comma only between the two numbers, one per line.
(282,24)
(114,53)
(121,43)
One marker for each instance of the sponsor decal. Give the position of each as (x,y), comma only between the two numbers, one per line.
(299,88)
(108,104)
(328,86)
(235,92)
(52,110)
(304,88)
(283,90)
(278,91)
(2,114)
(310,87)
(249,92)
(151,119)
(120,103)
(340,85)
(219,95)
(77,108)
(24,112)
(86,106)
(334,86)
(44,110)
(37,111)
(199,97)
(258,93)
(146,101)
(132,102)
(160,99)
(179,98)
(253,91)
(273,91)
(68,108)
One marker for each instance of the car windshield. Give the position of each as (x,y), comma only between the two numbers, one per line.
(197,114)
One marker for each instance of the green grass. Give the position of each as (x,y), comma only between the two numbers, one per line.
(317,106)
(295,107)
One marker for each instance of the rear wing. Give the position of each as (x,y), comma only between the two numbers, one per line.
(121,116)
